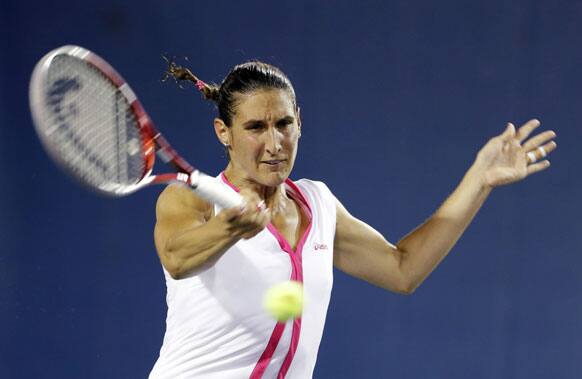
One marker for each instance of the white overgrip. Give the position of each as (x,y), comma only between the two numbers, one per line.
(209,189)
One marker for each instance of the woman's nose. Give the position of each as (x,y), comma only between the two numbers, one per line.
(273,142)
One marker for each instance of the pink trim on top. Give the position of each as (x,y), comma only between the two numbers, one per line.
(227,182)
(296,274)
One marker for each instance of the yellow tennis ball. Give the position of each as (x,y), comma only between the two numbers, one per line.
(284,300)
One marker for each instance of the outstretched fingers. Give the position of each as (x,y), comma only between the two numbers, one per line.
(525,130)
(540,152)
(537,167)
(538,147)
(509,133)
(538,140)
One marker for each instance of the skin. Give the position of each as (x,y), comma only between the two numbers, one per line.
(266,129)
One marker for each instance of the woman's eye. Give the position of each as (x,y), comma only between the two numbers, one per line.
(254,127)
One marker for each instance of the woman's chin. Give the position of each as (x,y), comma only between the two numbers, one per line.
(273,178)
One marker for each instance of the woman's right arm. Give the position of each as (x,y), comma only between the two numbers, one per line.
(187,233)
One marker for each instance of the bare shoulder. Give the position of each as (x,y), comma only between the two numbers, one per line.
(178,200)
(177,210)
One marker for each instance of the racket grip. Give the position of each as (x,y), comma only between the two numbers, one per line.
(209,189)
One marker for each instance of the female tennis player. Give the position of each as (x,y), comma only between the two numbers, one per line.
(218,263)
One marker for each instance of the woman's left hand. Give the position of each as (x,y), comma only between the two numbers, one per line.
(507,159)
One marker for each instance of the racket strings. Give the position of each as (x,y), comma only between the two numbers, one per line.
(92,125)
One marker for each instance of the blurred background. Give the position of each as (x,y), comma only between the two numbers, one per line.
(397,97)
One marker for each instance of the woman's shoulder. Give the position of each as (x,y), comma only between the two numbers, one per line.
(310,184)
(178,198)
(315,189)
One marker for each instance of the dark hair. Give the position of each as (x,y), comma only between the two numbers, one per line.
(243,78)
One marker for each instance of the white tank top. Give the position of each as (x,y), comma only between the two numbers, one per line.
(216,327)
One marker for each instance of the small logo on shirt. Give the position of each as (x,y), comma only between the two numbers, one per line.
(320,246)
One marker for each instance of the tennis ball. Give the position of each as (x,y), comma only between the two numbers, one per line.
(284,300)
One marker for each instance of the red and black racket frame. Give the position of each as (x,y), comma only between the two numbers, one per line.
(152,140)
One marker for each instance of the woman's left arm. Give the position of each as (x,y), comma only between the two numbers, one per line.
(363,252)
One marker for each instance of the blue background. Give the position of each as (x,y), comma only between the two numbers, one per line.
(397,97)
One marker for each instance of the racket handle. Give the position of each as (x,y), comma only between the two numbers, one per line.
(209,189)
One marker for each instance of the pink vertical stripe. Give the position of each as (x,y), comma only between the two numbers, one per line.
(265,358)
(296,274)
(298,255)
(296,333)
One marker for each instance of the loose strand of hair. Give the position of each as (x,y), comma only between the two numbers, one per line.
(180,73)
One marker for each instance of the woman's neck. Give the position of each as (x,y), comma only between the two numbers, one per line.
(275,198)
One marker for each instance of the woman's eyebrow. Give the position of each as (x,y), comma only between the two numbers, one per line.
(253,122)
(286,119)
(282,119)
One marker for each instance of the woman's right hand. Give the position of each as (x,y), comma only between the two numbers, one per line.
(247,220)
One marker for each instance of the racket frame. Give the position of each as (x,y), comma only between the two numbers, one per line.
(152,140)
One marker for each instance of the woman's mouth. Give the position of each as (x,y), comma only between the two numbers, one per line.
(273,162)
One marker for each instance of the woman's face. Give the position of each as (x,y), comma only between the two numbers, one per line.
(263,136)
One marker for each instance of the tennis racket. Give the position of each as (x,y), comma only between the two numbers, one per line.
(92,124)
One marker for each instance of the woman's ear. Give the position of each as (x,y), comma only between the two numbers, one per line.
(222,132)
(299,120)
